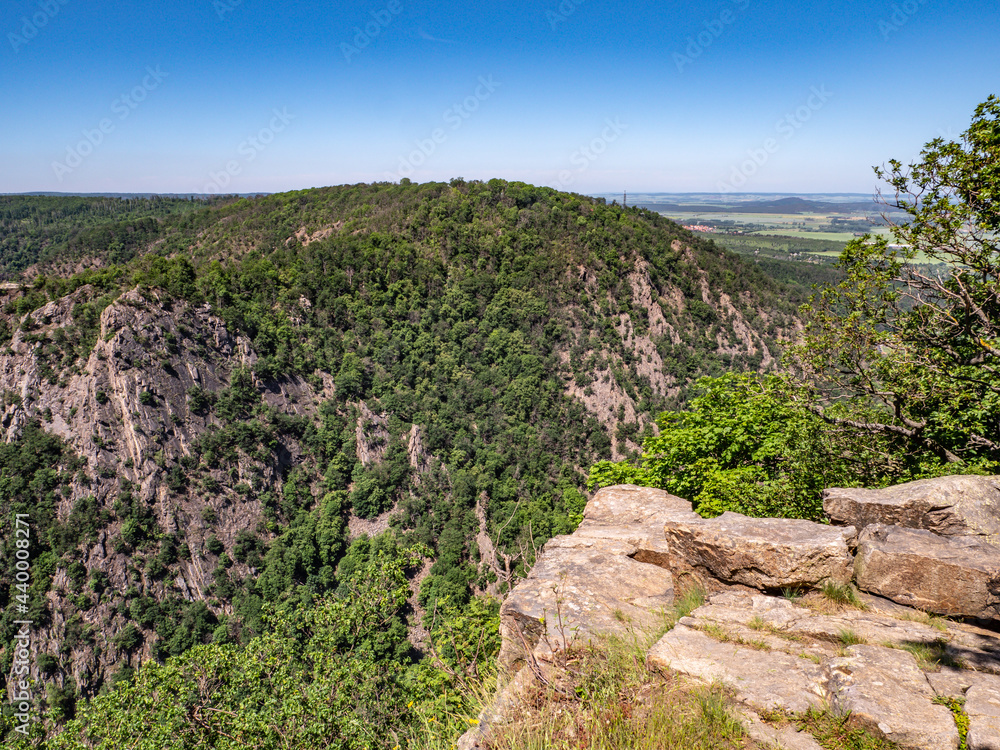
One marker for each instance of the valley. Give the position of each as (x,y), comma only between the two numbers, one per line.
(206,405)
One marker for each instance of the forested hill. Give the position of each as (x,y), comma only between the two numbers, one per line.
(201,421)
(57,230)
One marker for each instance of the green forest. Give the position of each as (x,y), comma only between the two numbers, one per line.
(480,316)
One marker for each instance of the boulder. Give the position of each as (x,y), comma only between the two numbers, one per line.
(946,575)
(885,690)
(629,505)
(765,553)
(573,594)
(950,506)
(636,516)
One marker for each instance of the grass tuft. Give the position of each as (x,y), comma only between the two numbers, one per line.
(957,708)
(931,656)
(757,623)
(842,593)
(832,731)
(611,701)
(848,637)
(791,594)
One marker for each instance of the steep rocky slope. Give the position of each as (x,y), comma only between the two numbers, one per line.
(128,410)
(444,360)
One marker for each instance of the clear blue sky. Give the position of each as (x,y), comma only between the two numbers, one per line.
(589,95)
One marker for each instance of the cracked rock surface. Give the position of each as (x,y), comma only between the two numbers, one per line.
(887,665)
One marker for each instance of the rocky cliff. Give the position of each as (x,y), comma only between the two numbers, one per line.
(783,625)
(131,409)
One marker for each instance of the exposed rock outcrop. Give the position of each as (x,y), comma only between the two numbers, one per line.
(884,664)
(942,574)
(128,406)
(982,705)
(764,680)
(635,516)
(765,553)
(567,599)
(887,691)
(949,506)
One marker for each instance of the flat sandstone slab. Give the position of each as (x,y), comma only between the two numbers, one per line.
(765,553)
(763,680)
(886,690)
(777,615)
(982,704)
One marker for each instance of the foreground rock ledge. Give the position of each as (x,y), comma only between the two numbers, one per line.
(775,654)
(573,594)
(765,553)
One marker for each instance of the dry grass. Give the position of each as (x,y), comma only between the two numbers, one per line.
(832,598)
(831,731)
(610,700)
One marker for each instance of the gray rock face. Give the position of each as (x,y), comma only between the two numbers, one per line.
(885,689)
(946,575)
(950,506)
(126,409)
(765,553)
(982,704)
(636,516)
(574,593)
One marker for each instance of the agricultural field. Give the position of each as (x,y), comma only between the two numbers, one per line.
(812,228)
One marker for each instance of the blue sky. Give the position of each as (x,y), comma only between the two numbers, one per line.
(586,95)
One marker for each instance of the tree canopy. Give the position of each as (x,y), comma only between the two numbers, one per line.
(911,337)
